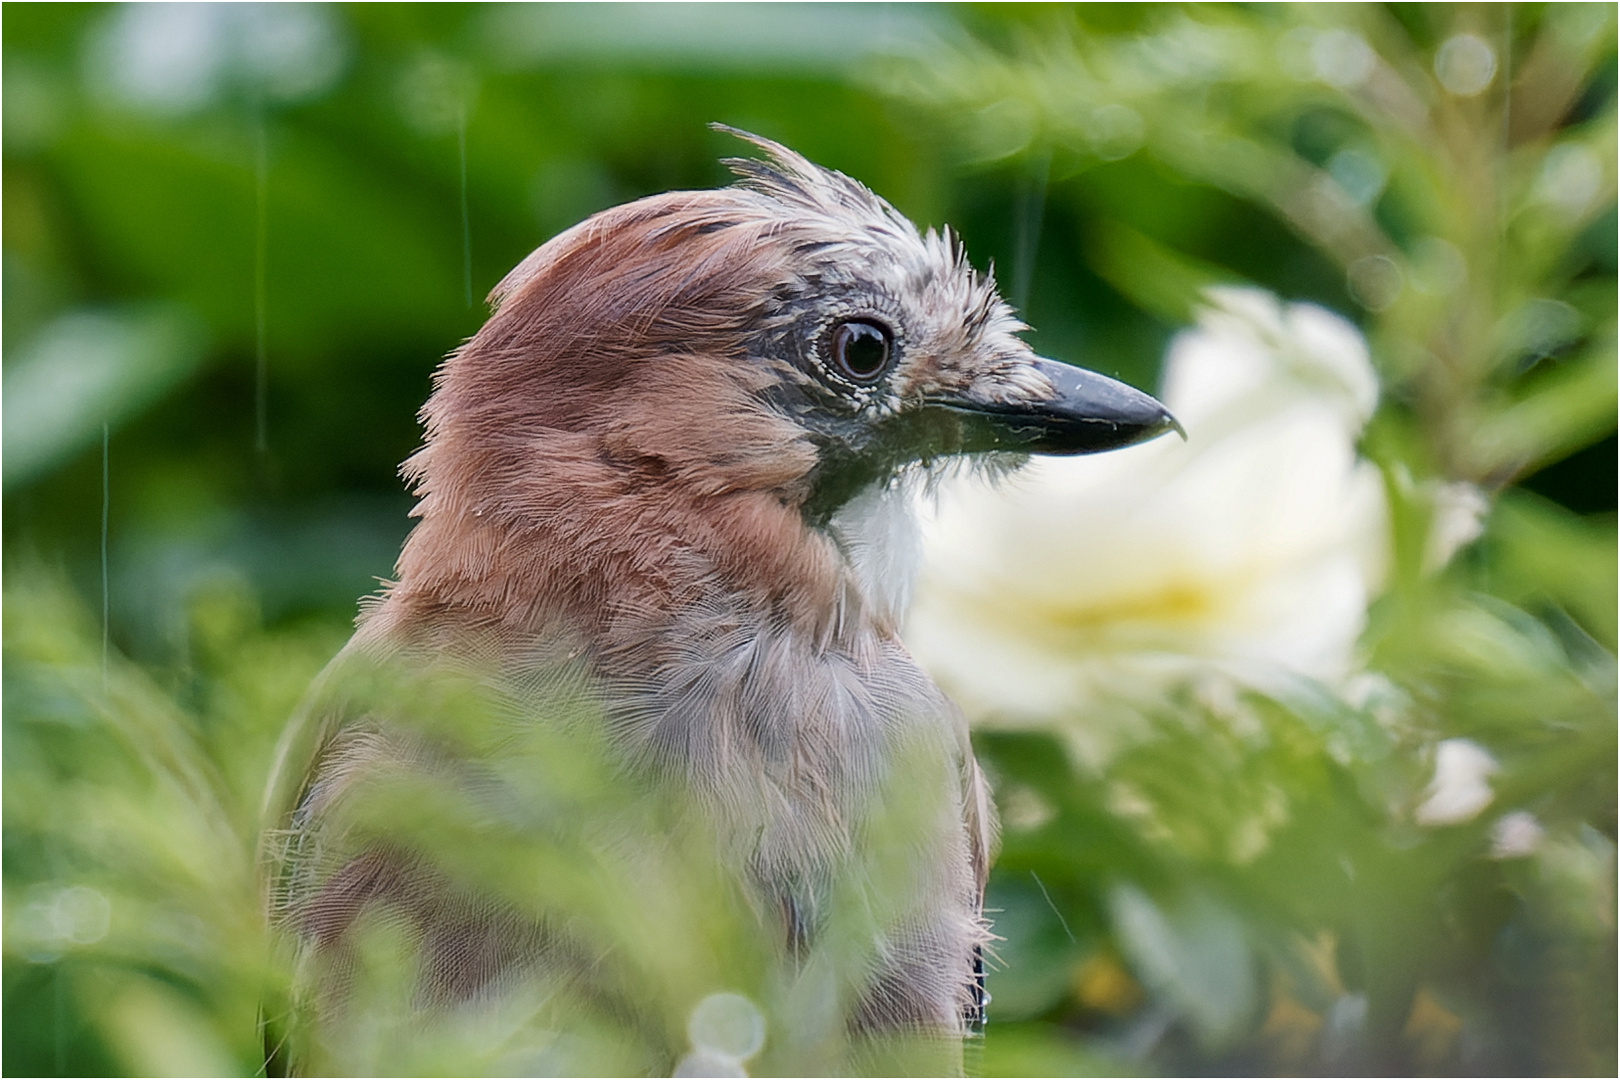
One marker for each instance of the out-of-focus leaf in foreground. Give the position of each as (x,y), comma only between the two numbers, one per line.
(130,880)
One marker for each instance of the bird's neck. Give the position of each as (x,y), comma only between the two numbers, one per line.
(877,535)
(608,570)
(730,644)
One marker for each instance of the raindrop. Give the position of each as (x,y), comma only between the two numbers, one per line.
(292,51)
(1326,208)
(1375,281)
(1570,178)
(57,919)
(83,915)
(726,1025)
(32,932)
(1342,58)
(699,1063)
(1465,65)
(1438,268)
(1003,128)
(1537,329)
(434,92)
(1115,131)
(1358,173)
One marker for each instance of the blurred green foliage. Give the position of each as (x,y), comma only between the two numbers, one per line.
(239,238)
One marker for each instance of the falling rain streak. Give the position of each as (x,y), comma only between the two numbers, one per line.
(1506,126)
(261,238)
(106,589)
(59,1020)
(1029,209)
(466,228)
(1041,885)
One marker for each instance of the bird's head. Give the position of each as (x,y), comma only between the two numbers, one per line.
(692,387)
(793,334)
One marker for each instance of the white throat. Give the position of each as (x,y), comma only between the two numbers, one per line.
(878,533)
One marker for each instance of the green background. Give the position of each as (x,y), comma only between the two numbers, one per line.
(237,242)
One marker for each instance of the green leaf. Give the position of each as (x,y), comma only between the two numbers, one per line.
(1192,950)
(1542,551)
(1155,277)
(1561,412)
(86,369)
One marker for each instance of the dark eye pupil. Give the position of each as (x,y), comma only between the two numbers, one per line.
(861,349)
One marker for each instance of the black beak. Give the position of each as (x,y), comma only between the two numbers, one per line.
(1086,413)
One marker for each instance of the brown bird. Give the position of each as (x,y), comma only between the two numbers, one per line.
(670,478)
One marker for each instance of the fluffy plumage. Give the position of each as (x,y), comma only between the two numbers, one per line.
(648,478)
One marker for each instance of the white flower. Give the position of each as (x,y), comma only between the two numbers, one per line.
(1460,788)
(1458,520)
(1249,551)
(1516,835)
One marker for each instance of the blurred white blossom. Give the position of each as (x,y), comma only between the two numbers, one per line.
(1247,553)
(1516,835)
(1460,788)
(1459,520)
(178,58)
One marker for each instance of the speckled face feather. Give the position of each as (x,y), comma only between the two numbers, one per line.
(856,255)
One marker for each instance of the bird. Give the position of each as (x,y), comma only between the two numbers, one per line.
(672,477)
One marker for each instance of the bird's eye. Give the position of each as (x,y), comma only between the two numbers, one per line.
(861,349)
